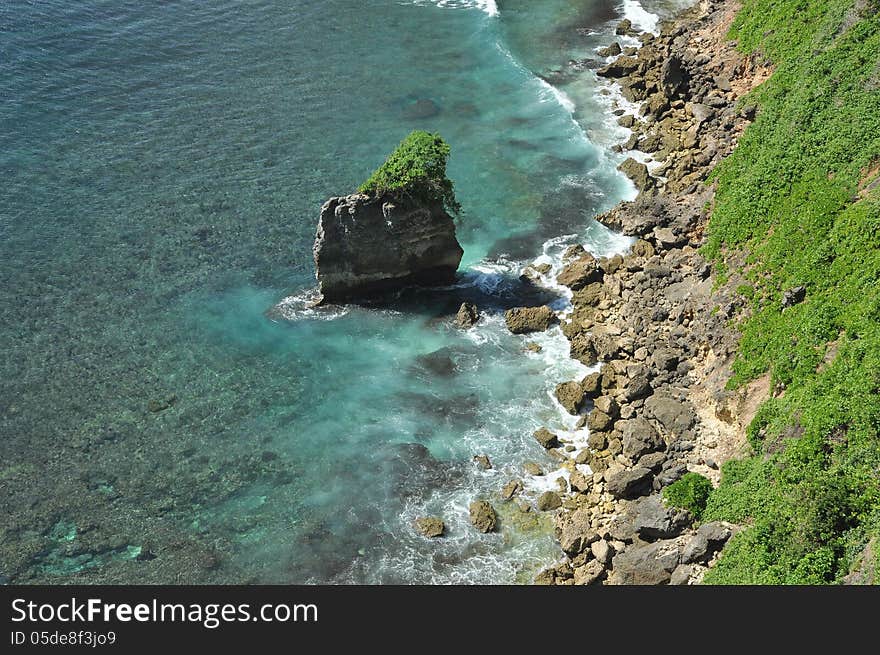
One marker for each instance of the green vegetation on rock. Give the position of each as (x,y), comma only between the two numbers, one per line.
(416,168)
(689,492)
(801,196)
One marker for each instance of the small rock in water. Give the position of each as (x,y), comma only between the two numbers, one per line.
(522,320)
(483,516)
(623,26)
(533,468)
(533,347)
(549,500)
(546,438)
(430,526)
(467,315)
(482,462)
(511,489)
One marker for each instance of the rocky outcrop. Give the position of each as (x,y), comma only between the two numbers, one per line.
(368,245)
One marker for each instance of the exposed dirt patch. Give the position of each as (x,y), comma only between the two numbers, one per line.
(869,179)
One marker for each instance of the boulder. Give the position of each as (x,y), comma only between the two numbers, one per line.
(638,173)
(639,438)
(367,245)
(601,551)
(523,320)
(580,272)
(672,76)
(709,539)
(623,27)
(676,416)
(681,575)
(511,489)
(608,405)
(467,315)
(620,67)
(610,51)
(483,516)
(664,359)
(599,421)
(430,526)
(592,385)
(666,238)
(533,468)
(549,500)
(580,482)
(638,387)
(629,483)
(648,564)
(590,573)
(653,520)
(574,532)
(582,349)
(546,438)
(570,395)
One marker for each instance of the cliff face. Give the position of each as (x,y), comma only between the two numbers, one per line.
(368,245)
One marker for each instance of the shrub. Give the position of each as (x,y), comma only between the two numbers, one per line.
(691,492)
(417,169)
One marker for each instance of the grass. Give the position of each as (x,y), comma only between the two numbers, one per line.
(793,196)
(416,168)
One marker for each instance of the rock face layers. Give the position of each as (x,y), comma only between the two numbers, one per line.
(368,245)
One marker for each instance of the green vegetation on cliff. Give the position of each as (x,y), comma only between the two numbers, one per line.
(690,492)
(801,196)
(416,168)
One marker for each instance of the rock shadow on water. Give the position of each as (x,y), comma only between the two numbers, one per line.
(492,292)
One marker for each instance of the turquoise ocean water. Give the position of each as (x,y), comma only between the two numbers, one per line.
(169,409)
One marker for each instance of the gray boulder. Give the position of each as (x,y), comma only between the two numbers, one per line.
(629,483)
(676,417)
(511,489)
(638,173)
(709,539)
(367,245)
(648,564)
(653,520)
(639,438)
(581,272)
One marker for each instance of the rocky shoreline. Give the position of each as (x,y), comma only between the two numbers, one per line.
(654,321)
